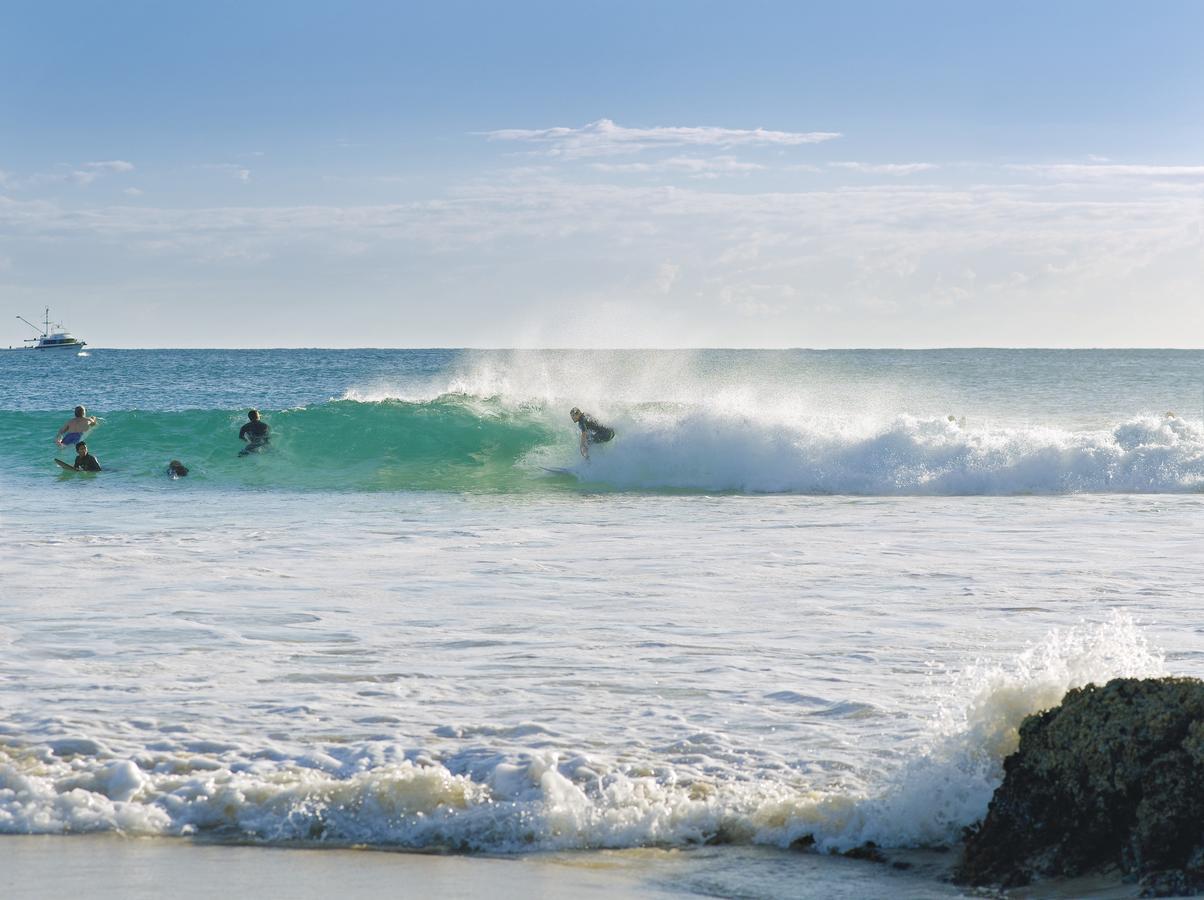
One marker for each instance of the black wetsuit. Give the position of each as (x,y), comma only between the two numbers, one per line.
(597,432)
(86,463)
(258,436)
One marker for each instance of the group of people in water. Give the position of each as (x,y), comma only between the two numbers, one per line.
(257,435)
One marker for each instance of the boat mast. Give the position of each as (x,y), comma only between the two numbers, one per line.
(35,327)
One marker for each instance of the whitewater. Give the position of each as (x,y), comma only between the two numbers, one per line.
(803,600)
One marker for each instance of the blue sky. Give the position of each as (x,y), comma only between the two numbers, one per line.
(620,174)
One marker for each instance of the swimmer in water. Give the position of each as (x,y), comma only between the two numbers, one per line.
(592,431)
(85,461)
(256,433)
(75,428)
(177,469)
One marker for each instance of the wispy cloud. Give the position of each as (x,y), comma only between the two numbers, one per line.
(798,261)
(66,173)
(110,165)
(685,165)
(884,168)
(89,172)
(1112,170)
(241,173)
(606,138)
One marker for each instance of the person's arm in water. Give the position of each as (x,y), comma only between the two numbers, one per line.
(585,443)
(242,432)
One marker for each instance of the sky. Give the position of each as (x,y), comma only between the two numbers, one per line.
(620,174)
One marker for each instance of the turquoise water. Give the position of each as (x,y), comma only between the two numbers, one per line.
(840,422)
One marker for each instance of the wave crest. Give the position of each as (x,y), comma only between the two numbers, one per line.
(459,442)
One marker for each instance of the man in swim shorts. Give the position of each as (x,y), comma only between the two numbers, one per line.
(73,431)
(85,461)
(592,431)
(255,433)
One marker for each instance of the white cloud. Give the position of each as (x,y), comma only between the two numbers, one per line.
(133,191)
(1098,170)
(65,174)
(884,168)
(666,276)
(110,165)
(938,263)
(692,166)
(241,173)
(605,138)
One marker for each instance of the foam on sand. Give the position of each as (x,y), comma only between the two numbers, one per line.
(547,801)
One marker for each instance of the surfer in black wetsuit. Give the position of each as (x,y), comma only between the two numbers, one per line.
(85,461)
(592,431)
(255,433)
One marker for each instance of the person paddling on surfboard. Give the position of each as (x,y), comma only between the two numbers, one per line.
(255,433)
(592,431)
(74,429)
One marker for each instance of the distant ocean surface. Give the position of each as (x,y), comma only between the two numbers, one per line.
(803,598)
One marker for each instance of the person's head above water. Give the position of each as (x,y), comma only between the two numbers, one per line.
(253,415)
(177,468)
(81,449)
(80,412)
(574,414)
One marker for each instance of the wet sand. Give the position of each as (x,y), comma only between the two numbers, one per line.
(109,867)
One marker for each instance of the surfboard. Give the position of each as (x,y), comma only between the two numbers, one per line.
(68,467)
(555,471)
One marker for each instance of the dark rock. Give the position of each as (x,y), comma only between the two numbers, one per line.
(868,851)
(1112,777)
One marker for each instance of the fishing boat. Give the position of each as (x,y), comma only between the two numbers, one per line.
(52,340)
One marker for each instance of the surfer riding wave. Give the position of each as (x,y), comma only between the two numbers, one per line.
(592,431)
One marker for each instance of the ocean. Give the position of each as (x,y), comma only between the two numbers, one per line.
(801,602)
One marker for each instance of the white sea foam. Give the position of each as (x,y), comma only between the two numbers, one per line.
(702,450)
(682,425)
(948,784)
(543,801)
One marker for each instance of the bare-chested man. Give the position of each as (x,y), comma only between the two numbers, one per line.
(74,430)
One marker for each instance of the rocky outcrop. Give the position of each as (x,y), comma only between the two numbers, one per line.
(1111,778)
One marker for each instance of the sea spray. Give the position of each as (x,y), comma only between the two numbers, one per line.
(948,784)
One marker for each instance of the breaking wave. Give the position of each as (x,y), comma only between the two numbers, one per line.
(462,442)
(473,799)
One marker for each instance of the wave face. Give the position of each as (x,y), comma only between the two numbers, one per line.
(461,442)
(486,800)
